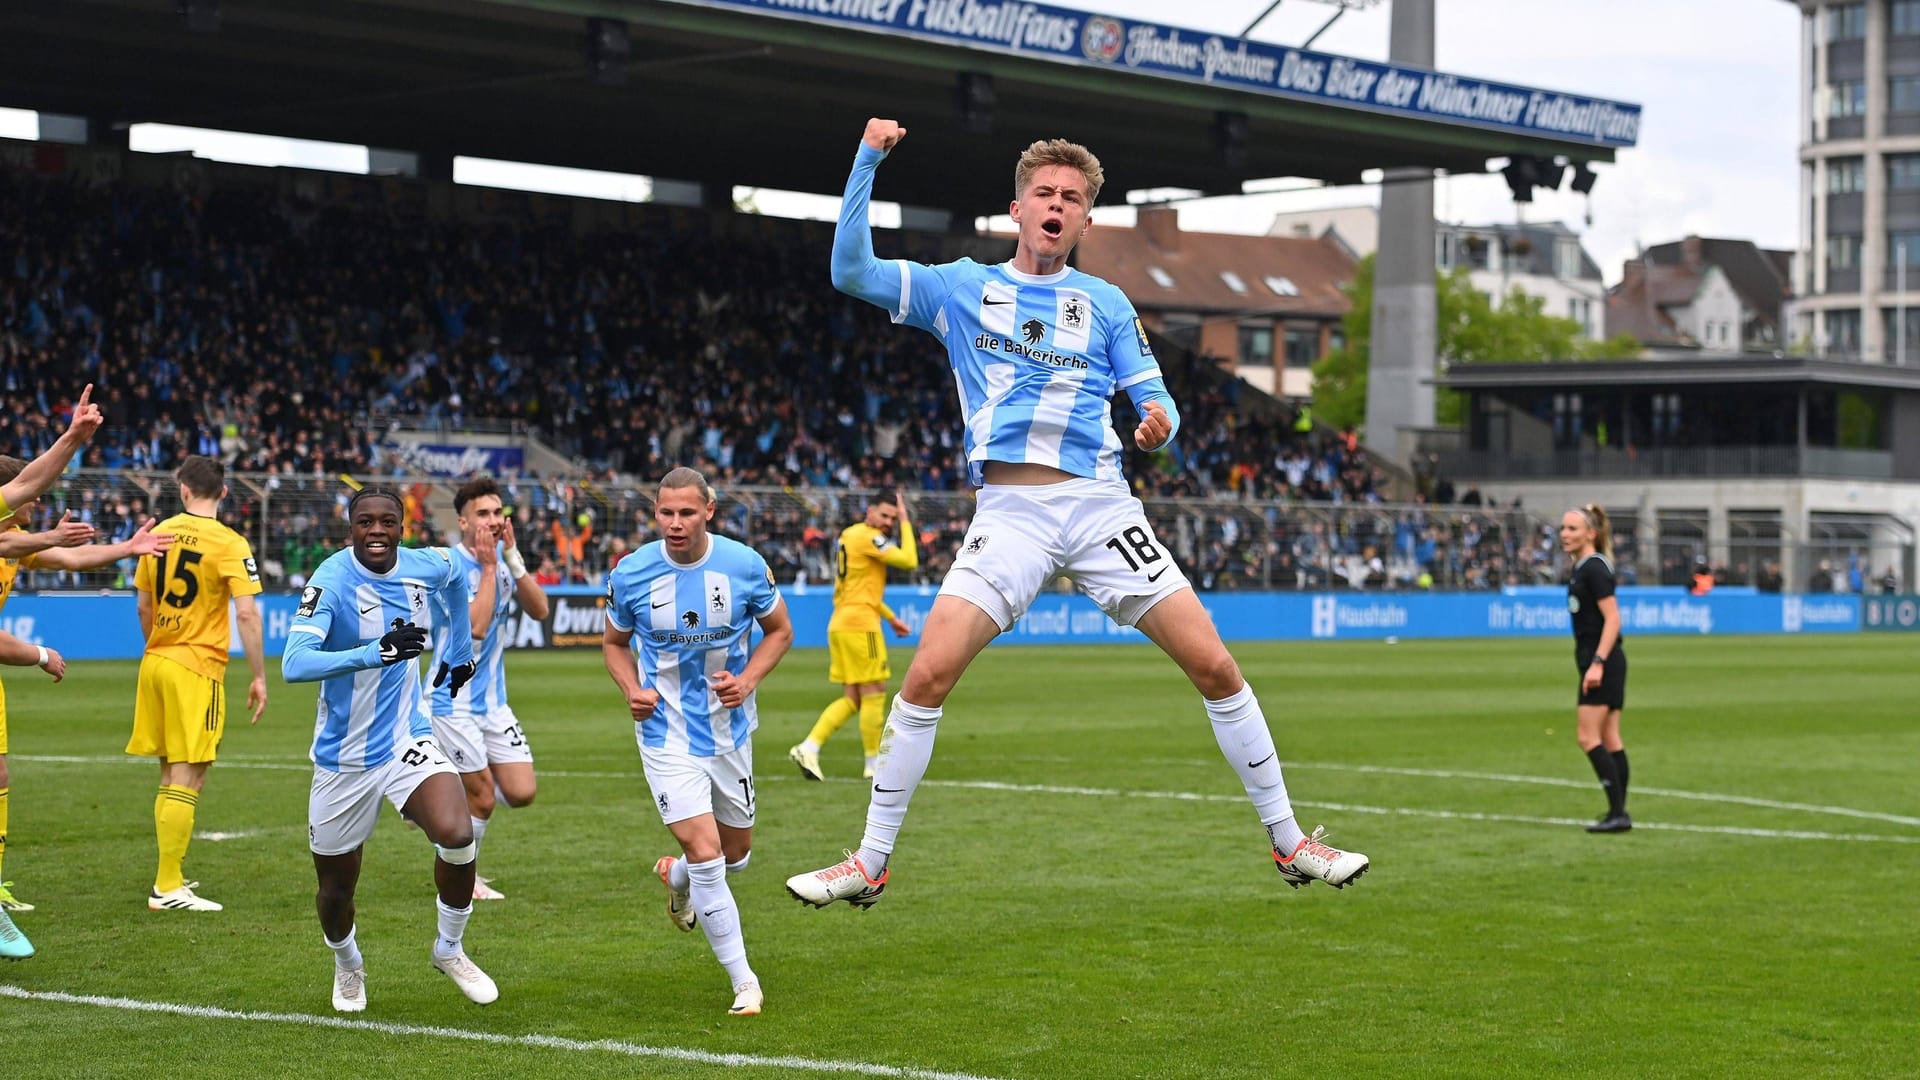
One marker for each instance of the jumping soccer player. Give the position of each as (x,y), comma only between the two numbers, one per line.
(1038,349)
(362,623)
(857,650)
(694,598)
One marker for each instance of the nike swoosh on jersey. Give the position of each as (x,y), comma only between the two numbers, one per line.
(365,610)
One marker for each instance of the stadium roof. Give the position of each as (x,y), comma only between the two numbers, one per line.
(718,96)
(1696,369)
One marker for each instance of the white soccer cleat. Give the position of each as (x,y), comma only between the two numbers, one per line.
(846,880)
(180,899)
(349,989)
(1315,861)
(747,1000)
(467,976)
(679,902)
(484,891)
(808,760)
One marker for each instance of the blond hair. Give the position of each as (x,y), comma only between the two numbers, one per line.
(1047,152)
(683,477)
(1602,529)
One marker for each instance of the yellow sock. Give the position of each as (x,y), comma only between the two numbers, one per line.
(830,720)
(873,721)
(173,821)
(3,827)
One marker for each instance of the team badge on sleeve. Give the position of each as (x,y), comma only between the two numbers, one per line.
(310,599)
(253,569)
(1146,347)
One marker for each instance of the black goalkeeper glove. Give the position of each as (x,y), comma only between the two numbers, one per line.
(459,673)
(404,642)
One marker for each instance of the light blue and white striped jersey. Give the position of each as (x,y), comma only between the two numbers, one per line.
(691,622)
(488,690)
(1036,359)
(369,711)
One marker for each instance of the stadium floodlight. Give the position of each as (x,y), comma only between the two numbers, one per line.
(1521,178)
(1583,178)
(1549,174)
(201,16)
(608,48)
(974,98)
(1230,136)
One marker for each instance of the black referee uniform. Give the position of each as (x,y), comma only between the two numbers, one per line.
(1591,583)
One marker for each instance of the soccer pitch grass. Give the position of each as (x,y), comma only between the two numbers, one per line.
(1081,892)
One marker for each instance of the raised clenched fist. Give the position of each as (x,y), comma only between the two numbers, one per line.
(883,135)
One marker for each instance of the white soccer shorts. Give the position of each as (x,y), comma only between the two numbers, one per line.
(474,742)
(1093,531)
(685,786)
(343,807)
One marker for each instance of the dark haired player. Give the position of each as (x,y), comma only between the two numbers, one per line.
(362,624)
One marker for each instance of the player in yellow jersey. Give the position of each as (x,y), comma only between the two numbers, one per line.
(180,710)
(859,652)
(67,546)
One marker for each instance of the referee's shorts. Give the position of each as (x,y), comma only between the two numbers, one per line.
(1612,691)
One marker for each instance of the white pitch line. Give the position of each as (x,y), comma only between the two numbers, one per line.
(543,1042)
(1390,811)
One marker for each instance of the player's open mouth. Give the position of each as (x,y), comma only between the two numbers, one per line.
(1053,227)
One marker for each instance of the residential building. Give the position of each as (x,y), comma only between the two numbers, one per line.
(1546,261)
(1266,307)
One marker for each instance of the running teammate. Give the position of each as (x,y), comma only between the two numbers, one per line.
(478,729)
(693,598)
(361,626)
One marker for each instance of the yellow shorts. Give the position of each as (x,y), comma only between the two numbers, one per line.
(178,713)
(859,656)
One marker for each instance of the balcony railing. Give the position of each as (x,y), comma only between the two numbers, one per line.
(1706,461)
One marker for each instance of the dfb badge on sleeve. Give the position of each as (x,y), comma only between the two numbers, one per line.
(310,600)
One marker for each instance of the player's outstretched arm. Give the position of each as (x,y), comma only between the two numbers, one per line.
(94,556)
(41,472)
(19,543)
(855,271)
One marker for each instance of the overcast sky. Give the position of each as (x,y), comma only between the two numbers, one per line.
(1718,151)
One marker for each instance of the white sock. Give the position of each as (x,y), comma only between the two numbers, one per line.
(346,954)
(479,830)
(809,745)
(677,874)
(1285,835)
(453,927)
(873,763)
(720,918)
(1241,730)
(905,749)
(736,867)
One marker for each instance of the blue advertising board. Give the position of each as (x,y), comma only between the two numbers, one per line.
(1890,613)
(101,627)
(438,459)
(1063,35)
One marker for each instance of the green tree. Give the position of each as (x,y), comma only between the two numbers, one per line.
(1471,329)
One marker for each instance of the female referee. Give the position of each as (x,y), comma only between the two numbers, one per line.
(1601,655)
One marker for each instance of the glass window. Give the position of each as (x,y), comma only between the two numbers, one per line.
(1303,346)
(1903,96)
(1233,282)
(1903,171)
(1846,22)
(1256,346)
(1850,98)
(1843,331)
(1903,245)
(1892,320)
(1848,176)
(1906,18)
(1283,286)
(1843,251)
(1566,257)
(1160,277)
